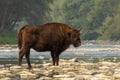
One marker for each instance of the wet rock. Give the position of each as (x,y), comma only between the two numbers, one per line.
(87,64)
(101,77)
(5,78)
(82,77)
(70,70)
(8,65)
(116,75)
(66,79)
(73,60)
(35,70)
(15,68)
(104,68)
(2,66)
(45,78)
(57,68)
(50,73)
(26,74)
(63,76)
(106,63)
(67,70)
(4,73)
(47,64)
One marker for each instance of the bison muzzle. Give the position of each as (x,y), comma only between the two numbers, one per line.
(53,37)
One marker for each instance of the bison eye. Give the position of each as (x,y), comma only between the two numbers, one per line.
(74,36)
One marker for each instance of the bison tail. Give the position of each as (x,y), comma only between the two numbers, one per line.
(20,38)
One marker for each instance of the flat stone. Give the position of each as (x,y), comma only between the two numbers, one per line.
(70,70)
(116,76)
(15,67)
(73,60)
(1,66)
(4,73)
(66,78)
(106,63)
(26,74)
(23,76)
(5,78)
(104,67)
(82,77)
(35,70)
(87,64)
(45,78)
(63,76)
(47,64)
(58,68)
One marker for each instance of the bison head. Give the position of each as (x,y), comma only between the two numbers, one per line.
(74,37)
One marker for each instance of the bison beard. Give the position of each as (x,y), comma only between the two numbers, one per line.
(53,37)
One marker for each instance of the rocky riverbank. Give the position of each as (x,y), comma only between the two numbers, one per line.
(71,69)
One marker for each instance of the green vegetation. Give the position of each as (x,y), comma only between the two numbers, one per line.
(99,19)
(8,37)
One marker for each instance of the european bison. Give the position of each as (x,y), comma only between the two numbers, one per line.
(53,37)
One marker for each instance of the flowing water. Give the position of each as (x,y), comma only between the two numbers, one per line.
(88,50)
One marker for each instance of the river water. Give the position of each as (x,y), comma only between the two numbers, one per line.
(88,49)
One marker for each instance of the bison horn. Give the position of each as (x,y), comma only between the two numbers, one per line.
(80,28)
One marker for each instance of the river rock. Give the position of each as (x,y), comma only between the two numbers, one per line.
(15,68)
(87,64)
(73,60)
(2,66)
(104,67)
(70,70)
(106,63)
(58,68)
(66,79)
(45,78)
(26,74)
(4,73)
(82,77)
(47,64)
(35,70)
(101,77)
(5,78)
(63,76)
(116,76)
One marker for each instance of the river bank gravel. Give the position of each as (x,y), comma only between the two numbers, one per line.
(71,69)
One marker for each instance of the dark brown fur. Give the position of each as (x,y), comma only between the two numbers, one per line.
(53,37)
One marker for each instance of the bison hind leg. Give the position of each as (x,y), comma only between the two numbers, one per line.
(24,51)
(27,55)
(21,54)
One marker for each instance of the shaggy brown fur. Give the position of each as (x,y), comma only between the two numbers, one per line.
(53,37)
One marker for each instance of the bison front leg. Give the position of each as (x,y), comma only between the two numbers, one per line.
(55,58)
